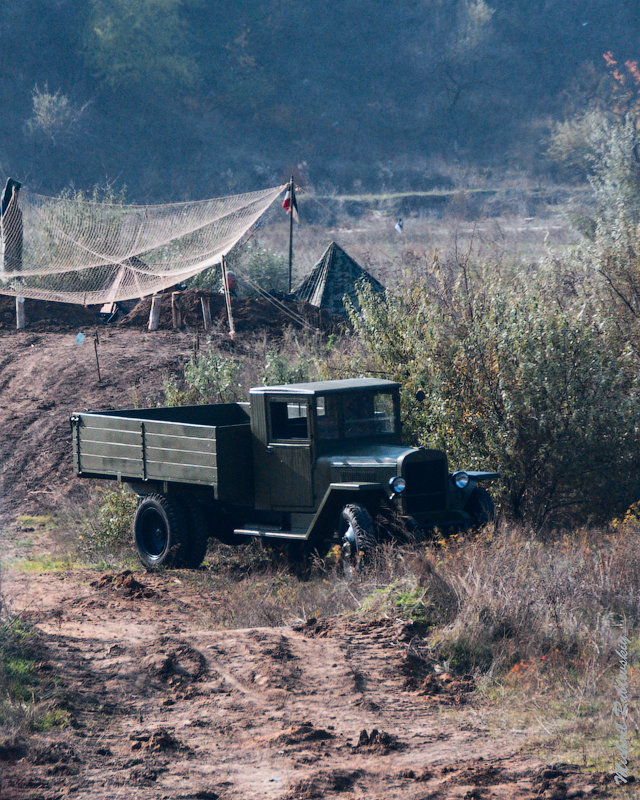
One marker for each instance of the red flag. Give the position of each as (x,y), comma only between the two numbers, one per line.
(289,203)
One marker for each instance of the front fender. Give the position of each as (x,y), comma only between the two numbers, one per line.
(462,495)
(325,521)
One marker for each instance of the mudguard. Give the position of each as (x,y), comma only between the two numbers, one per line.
(371,495)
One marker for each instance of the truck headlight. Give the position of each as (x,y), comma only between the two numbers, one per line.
(398,484)
(461,479)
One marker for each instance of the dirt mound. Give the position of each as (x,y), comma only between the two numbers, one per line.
(156,742)
(305,732)
(44,315)
(175,664)
(323,784)
(377,741)
(315,627)
(125,584)
(12,748)
(559,781)
(447,688)
(249,314)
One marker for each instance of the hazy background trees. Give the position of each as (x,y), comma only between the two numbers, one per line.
(176,97)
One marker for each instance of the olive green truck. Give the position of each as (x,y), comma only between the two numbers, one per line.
(309,462)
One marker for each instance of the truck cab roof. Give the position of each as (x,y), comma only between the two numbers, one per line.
(328,387)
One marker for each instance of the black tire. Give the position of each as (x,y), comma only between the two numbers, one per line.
(480,507)
(159,532)
(198,534)
(357,533)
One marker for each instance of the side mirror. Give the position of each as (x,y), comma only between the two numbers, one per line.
(421,396)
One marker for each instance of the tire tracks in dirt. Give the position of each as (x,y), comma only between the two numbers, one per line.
(161,708)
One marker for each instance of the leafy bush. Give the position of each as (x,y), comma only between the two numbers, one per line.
(139,44)
(256,267)
(54,115)
(282,366)
(108,535)
(24,692)
(263,268)
(514,381)
(210,377)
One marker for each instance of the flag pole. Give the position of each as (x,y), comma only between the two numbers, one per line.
(290,231)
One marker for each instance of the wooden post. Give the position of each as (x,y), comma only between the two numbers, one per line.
(95,347)
(154,313)
(227,298)
(21,319)
(206,312)
(176,313)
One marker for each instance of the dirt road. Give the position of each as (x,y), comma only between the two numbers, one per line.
(161,708)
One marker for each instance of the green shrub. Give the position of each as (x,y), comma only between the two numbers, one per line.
(210,377)
(515,381)
(108,535)
(256,267)
(263,268)
(283,366)
(23,688)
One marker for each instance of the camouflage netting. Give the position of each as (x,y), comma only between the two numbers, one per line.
(76,251)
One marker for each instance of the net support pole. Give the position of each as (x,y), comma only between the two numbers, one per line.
(206,312)
(176,311)
(21,319)
(154,313)
(291,189)
(227,298)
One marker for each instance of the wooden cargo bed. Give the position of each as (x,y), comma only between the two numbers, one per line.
(202,445)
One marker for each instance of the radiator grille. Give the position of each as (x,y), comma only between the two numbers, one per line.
(426,486)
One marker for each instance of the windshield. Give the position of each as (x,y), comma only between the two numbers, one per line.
(363,414)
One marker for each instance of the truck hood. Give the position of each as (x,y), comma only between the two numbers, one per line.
(371,455)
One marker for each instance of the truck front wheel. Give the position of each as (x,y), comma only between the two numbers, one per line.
(159,532)
(357,532)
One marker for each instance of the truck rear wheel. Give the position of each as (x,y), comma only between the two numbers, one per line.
(159,532)
(357,533)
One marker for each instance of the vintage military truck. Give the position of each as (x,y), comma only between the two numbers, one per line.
(306,462)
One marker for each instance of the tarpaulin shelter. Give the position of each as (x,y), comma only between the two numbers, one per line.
(333,277)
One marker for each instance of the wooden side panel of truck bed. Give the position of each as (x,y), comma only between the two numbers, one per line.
(113,446)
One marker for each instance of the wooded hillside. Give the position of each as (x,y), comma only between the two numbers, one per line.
(180,98)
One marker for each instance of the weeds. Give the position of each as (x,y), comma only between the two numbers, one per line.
(107,537)
(25,691)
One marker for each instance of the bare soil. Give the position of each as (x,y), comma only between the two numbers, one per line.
(160,706)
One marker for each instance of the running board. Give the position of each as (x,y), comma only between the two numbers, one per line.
(266,532)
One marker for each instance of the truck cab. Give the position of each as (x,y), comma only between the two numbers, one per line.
(298,428)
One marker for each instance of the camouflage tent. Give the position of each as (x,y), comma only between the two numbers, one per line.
(333,277)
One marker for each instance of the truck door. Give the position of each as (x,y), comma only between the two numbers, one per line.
(289,459)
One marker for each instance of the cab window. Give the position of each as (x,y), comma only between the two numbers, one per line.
(289,420)
(369,414)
